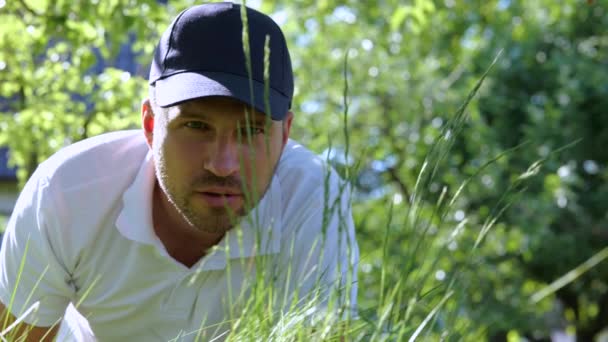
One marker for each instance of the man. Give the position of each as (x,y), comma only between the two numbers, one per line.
(176,231)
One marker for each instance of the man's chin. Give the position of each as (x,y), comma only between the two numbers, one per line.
(214,219)
(217,221)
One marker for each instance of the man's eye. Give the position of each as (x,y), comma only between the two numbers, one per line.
(195,125)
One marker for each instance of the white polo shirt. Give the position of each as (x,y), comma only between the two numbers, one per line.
(85,219)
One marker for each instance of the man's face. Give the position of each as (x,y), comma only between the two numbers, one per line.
(212,163)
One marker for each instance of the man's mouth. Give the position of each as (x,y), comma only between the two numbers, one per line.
(217,194)
(221,191)
(219,197)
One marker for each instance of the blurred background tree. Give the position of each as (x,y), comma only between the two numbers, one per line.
(64,77)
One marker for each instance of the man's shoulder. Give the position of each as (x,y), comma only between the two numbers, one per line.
(301,170)
(105,155)
(75,194)
(299,162)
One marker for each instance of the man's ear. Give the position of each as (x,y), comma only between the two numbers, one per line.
(287,127)
(147,120)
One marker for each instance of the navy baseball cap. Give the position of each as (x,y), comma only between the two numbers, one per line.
(201,54)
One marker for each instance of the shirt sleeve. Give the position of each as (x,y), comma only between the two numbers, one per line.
(323,252)
(29,269)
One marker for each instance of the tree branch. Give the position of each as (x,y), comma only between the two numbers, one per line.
(28,8)
(394,177)
(85,126)
(395,149)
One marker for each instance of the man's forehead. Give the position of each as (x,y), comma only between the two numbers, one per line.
(211,106)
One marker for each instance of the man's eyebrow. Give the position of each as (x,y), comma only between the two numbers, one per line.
(255,120)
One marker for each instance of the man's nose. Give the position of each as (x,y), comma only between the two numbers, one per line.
(224,158)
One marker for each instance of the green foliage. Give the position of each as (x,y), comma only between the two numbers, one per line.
(3,223)
(56,96)
(490,228)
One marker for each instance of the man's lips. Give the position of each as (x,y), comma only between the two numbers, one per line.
(217,191)
(221,197)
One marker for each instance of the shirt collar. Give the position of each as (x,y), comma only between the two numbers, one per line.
(259,233)
(135,220)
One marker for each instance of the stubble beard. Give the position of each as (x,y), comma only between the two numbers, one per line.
(215,221)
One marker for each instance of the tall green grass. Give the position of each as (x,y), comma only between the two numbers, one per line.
(409,305)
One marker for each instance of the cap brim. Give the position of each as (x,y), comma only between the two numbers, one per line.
(187,86)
